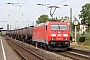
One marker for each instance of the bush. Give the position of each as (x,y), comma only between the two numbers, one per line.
(70,38)
(78,37)
(82,39)
(87,42)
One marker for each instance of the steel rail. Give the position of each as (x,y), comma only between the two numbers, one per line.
(41,58)
(73,55)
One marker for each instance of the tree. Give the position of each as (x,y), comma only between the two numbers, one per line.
(85,12)
(58,20)
(42,19)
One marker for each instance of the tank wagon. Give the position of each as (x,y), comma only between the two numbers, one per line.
(27,34)
(50,35)
(23,34)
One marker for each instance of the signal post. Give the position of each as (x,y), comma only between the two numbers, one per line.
(75,24)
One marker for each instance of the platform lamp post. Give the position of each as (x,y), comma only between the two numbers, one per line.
(12,3)
(15,24)
(1,28)
(71,30)
(15,4)
(70,17)
(28,23)
(43,4)
(7,24)
(10,27)
(4,21)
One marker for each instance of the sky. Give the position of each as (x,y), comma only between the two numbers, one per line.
(25,12)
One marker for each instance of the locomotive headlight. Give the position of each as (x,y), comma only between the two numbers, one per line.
(65,35)
(53,34)
(52,38)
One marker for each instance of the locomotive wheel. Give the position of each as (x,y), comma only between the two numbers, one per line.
(38,44)
(49,48)
(46,46)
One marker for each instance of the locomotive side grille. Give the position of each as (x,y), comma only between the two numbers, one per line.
(60,44)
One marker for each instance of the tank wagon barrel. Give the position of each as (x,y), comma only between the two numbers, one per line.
(23,34)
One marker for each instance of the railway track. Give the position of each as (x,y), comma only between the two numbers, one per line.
(39,54)
(73,54)
(86,52)
(24,53)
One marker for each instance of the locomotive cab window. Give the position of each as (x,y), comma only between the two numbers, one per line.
(58,27)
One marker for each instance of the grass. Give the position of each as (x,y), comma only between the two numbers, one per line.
(80,46)
(83,45)
(0,33)
(87,42)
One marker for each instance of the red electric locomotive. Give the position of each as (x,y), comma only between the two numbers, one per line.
(52,35)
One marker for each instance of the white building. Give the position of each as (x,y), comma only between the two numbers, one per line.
(82,29)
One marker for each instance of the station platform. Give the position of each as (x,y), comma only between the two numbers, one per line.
(6,52)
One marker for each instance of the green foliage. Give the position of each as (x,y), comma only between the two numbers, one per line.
(85,12)
(87,42)
(0,33)
(42,19)
(58,20)
(82,39)
(78,36)
(70,38)
(85,38)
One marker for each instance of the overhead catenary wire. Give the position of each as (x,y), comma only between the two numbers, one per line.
(24,3)
(34,15)
(39,13)
(60,2)
(19,8)
(45,1)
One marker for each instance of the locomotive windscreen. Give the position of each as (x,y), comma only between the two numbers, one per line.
(58,27)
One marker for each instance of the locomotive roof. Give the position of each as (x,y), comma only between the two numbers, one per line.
(55,22)
(41,24)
